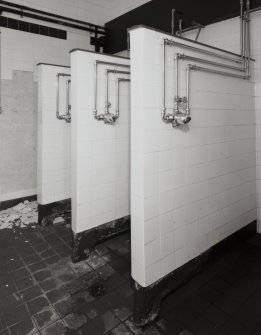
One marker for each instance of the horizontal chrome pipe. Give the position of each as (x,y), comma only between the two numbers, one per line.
(195,25)
(96,63)
(206,61)
(222,73)
(207,52)
(58,115)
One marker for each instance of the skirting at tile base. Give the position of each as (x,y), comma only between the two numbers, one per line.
(47,213)
(84,242)
(147,300)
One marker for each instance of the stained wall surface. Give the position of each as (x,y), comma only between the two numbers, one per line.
(54,138)
(191,186)
(100,152)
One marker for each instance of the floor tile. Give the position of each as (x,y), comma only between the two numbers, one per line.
(25,327)
(57,328)
(45,317)
(74,321)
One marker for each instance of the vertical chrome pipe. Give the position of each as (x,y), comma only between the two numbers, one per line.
(57,96)
(107,104)
(1,109)
(176,99)
(68,97)
(188,89)
(248,36)
(173,21)
(245,41)
(95,89)
(199,31)
(119,80)
(180,26)
(241,27)
(163,79)
(117,97)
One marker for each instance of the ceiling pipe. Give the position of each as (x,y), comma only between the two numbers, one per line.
(23,11)
(173,21)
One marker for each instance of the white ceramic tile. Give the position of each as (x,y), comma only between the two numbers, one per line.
(101,152)
(204,173)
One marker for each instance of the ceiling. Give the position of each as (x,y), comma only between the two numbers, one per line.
(157,14)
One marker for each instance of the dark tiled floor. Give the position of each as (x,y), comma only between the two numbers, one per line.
(43,292)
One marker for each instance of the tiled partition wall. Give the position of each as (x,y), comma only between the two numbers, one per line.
(216,34)
(54,139)
(191,186)
(100,152)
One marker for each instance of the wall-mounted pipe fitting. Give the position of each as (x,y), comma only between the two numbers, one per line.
(67,115)
(119,80)
(107,117)
(181,110)
(107,73)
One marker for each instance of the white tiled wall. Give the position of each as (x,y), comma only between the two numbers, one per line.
(190,186)
(54,139)
(216,34)
(21,51)
(100,152)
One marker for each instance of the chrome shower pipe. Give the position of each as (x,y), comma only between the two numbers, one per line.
(195,25)
(222,73)
(180,27)
(210,53)
(1,108)
(165,116)
(173,21)
(96,63)
(58,115)
(248,36)
(119,80)
(176,98)
(242,27)
(188,68)
(163,80)
(108,71)
(198,33)
(179,117)
(68,100)
(201,60)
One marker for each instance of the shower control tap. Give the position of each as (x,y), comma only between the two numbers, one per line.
(181,119)
(109,118)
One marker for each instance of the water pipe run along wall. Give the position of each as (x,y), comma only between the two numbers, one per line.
(237,67)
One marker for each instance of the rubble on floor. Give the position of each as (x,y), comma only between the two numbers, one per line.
(22,215)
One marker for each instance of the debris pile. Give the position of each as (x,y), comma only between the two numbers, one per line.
(22,215)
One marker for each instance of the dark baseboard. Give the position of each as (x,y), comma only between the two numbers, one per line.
(85,242)
(47,213)
(11,203)
(147,300)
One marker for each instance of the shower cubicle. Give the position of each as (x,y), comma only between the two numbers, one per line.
(100,148)
(166,137)
(54,141)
